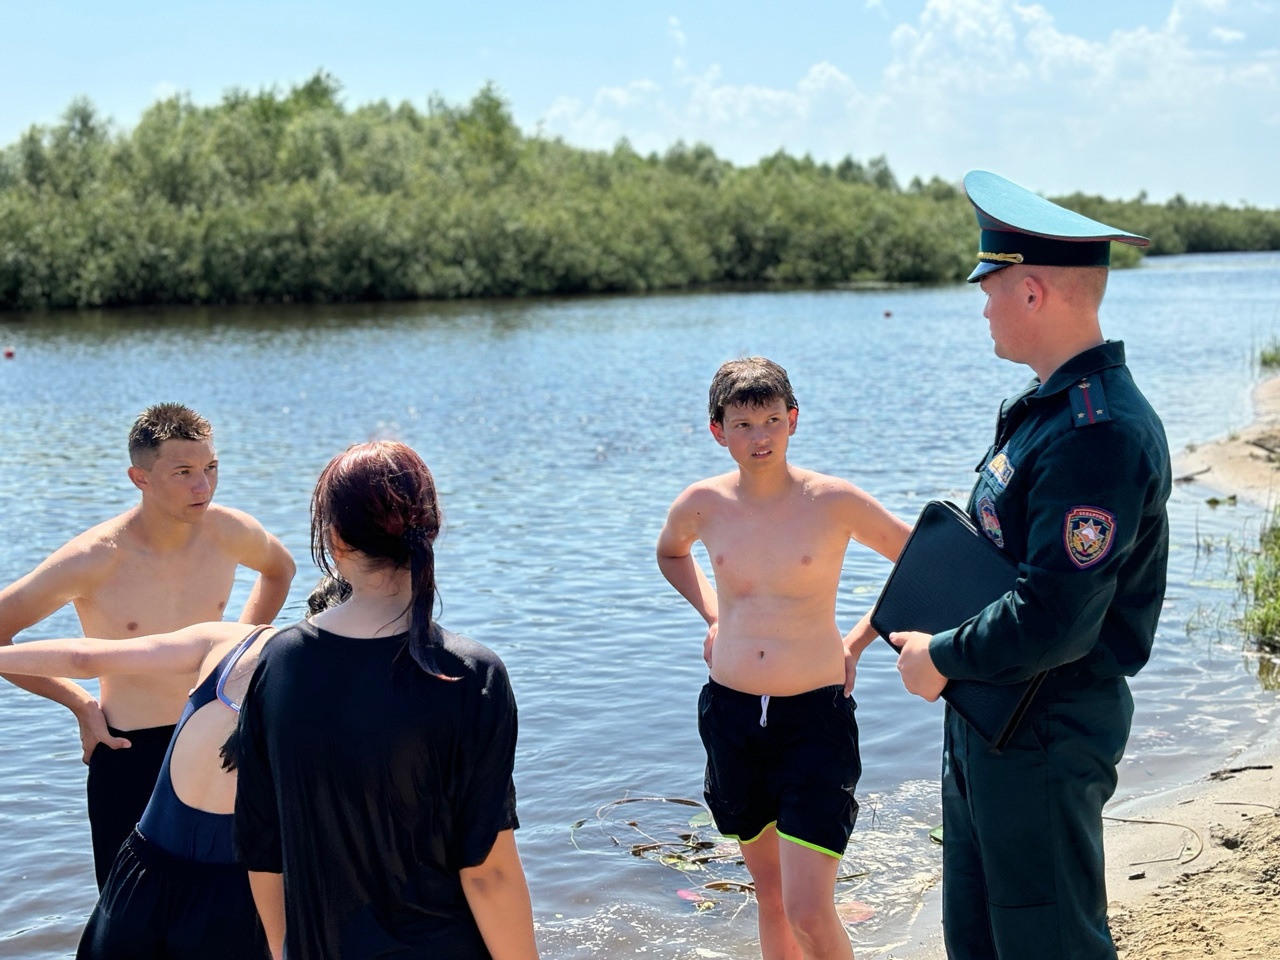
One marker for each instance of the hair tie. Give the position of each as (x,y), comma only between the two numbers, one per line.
(417,534)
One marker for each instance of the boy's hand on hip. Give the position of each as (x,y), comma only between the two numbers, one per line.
(850,669)
(93,731)
(919,675)
(712,630)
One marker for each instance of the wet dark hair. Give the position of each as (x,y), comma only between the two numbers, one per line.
(748,382)
(161,422)
(329,592)
(380,500)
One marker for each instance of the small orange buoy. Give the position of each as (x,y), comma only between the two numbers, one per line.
(8,353)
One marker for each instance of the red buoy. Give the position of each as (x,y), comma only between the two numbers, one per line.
(8,353)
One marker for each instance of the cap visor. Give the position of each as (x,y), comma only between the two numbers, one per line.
(982,269)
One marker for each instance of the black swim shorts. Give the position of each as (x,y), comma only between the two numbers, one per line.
(791,762)
(156,906)
(119,786)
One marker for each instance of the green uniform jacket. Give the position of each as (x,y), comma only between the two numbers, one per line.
(1074,489)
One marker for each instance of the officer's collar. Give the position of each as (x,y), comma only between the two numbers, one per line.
(1110,353)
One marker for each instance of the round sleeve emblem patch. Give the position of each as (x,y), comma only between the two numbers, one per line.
(1087,534)
(990,521)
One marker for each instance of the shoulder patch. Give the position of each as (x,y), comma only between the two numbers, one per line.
(990,521)
(1088,533)
(1088,402)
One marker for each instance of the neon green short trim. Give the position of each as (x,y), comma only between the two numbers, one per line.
(771,823)
(784,836)
(811,846)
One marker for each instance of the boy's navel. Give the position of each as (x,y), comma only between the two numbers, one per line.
(805,561)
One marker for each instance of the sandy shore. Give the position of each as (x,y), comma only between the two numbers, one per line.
(1193,871)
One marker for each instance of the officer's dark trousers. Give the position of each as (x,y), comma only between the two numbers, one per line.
(1023,870)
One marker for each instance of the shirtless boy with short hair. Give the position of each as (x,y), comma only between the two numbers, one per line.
(775,717)
(167,563)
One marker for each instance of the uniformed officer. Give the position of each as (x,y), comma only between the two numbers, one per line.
(1074,489)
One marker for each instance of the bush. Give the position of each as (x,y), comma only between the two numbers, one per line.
(289,196)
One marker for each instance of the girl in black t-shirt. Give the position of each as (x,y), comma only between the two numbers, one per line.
(375,803)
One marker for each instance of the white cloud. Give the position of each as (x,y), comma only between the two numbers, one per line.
(996,84)
(633,94)
(675,32)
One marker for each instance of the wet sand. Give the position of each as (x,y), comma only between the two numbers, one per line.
(1193,871)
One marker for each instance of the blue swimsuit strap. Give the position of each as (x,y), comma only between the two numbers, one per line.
(231,662)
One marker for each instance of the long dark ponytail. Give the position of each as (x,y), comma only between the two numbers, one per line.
(380,499)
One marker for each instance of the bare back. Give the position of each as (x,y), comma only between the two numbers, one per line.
(195,766)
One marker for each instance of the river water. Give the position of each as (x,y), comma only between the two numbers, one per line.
(559,431)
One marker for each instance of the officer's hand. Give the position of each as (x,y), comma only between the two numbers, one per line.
(919,675)
(93,731)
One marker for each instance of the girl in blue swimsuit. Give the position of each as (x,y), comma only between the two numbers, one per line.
(175,890)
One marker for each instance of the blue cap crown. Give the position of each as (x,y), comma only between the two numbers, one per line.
(1019,226)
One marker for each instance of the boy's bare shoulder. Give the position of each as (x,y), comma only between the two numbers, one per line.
(230,518)
(824,485)
(80,565)
(231,525)
(709,491)
(99,547)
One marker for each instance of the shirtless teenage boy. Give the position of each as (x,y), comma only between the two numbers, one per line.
(165,564)
(775,717)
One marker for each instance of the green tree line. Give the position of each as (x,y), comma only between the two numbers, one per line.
(290,196)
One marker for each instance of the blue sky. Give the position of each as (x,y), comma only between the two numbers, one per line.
(1104,96)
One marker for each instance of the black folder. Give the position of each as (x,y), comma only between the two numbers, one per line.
(948,572)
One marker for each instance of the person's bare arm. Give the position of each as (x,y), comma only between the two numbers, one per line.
(498,896)
(675,560)
(259,550)
(855,641)
(182,651)
(59,580)
(875,527)
(268,897)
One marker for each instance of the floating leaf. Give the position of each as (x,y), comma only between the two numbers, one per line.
(728,850)
(702,819)
(691,895)
(854,911)
(730,886)
(936,834)
(678,862)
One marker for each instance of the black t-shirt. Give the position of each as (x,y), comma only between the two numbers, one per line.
(370,785)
